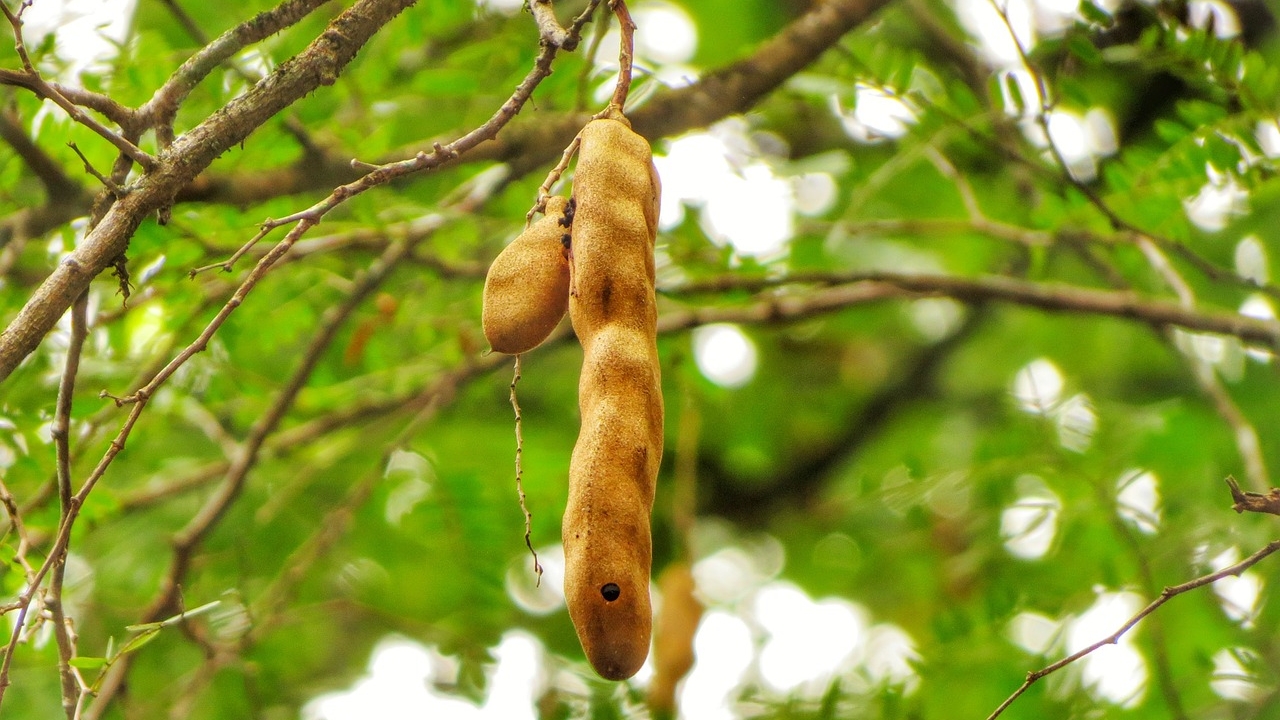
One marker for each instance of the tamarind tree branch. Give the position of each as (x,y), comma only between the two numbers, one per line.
(163,106)
(549,28)
(1165,596)
(528,145)
(319,64)
(859,287)
(727,91)
(61,433)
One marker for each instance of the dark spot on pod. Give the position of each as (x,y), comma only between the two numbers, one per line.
(566,220)
(610,592)
(565,240)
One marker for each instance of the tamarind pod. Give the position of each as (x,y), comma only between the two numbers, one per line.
(614,466)
(673,634)
(617,185)
(526,291)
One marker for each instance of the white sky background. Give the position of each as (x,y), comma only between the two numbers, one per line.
(735,184)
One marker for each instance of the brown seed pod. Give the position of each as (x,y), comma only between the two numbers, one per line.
(607,542)
(673,633)
(526,290)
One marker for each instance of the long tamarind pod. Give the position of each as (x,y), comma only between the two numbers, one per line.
(607,542)
(526,290)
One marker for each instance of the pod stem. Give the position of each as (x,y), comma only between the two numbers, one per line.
(626,48)
(524,507)
(544,191)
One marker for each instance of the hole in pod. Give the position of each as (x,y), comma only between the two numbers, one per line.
(610,592)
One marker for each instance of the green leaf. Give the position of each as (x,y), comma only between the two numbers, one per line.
(1224,155)
(1075,93)
(1094,14)
(1171,131)
(1018,104)
(133,644)
(1083,48)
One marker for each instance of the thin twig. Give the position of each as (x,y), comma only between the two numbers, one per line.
(186,21)
(61,433)
(17,527)
(544,190)
(524,507)
(88,167)
(1165,596)
(626,52)
(948,226)
(963,187)
(1156,627)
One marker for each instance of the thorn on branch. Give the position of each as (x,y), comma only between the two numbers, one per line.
(1253,502)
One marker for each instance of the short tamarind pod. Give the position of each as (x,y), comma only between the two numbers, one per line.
(673,633)
(526,290)
(614,467)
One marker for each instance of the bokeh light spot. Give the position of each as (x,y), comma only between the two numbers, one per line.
(724,354)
